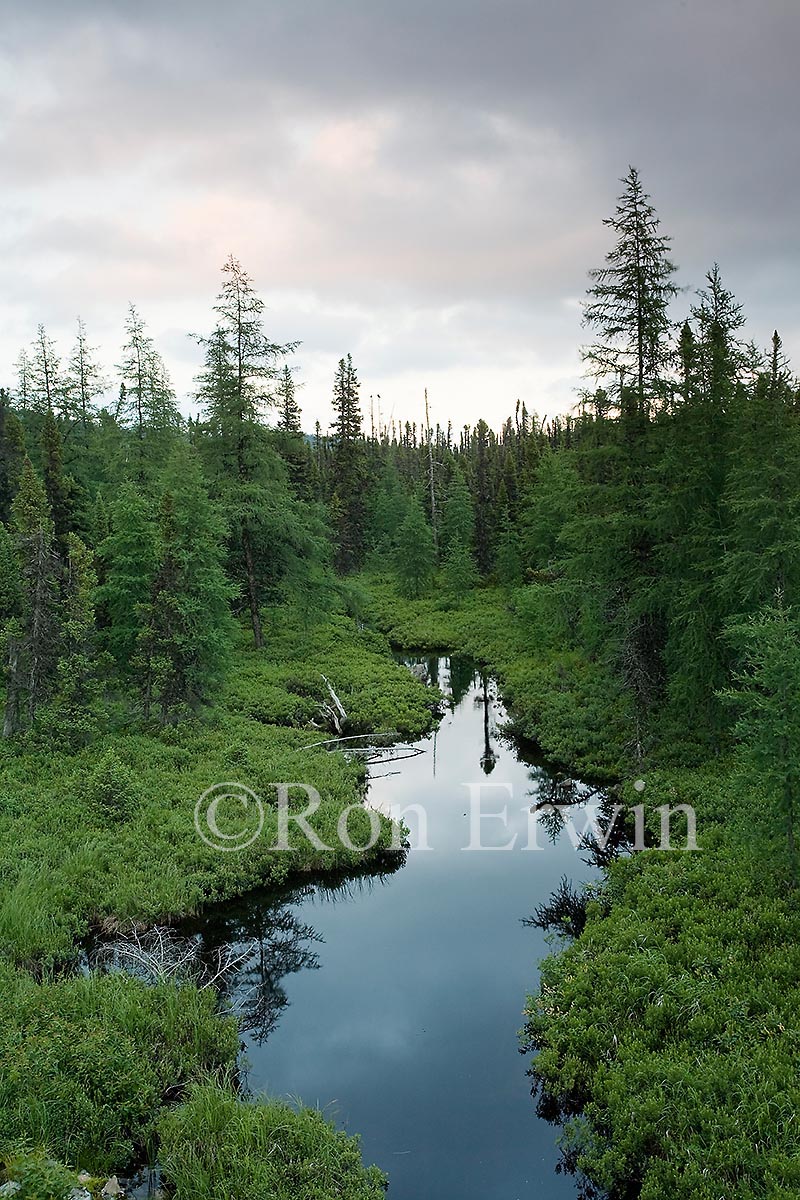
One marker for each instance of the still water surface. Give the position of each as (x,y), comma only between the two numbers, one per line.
(395,1003)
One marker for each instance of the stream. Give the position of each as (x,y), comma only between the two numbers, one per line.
(394,1003)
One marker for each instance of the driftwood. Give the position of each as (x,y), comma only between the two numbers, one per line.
(161,956)
(334,712)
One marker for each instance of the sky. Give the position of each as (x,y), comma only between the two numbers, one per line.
(421,183)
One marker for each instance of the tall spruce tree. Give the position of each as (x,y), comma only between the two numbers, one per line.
(235,386)
(129,559)
(45,379)
(628,303)
(56,483)
(186,636)
(286,403)
(33,639)
(415,556)
(146,404)
(349,467)
(84,381)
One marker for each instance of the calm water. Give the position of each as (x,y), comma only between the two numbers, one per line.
(395,1004)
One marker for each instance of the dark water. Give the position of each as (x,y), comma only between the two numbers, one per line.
(395,1004)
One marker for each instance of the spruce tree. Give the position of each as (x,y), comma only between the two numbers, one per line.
(288,408)
(45,378)
(33,639)
(349,467)
(12,455)
(458,574)
(628,304)
(56,483)
(762,500)
(508,558)
(236,386)
(72,716)
(186,636)
(84,381)
(146,403)
(129,559)
(415,556)
(458,515)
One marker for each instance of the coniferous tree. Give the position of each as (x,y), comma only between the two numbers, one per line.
(33,640)
(24,390)
(72,716)
(236,386)
(10,584)
(508,558)
(186,634)
(458,515)
(349,467)
(385,513)
(56,483)
(84,381)
(482,497)
(45,380)
(288,408)
(415,556)
(12,455)
(146,403)
(628,305)
(459,573)
(129,559)
(762,500)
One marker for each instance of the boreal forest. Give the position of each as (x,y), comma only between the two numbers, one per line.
(228,595)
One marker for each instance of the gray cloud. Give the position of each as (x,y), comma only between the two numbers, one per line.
(422,184)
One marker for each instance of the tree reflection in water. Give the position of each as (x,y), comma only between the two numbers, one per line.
(244,951)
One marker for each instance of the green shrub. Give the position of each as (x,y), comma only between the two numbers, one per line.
(218,1147)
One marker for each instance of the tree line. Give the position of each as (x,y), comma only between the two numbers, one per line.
(653,531)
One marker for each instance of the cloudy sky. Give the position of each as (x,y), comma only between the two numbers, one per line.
(419,182)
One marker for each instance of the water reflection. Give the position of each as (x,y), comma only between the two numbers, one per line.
(395,1002)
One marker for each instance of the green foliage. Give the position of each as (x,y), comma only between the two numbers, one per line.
(40,1177)
(458,517)
(628,306)
(32,642)
(12,455)
(112,787)
(349,467)
(217,1147)
(72,717)
(459,573)
(129,556)
(767,702)
(10,583)
(508,559)
(670,1021)
(187,631)
(415,555)
(85,1063)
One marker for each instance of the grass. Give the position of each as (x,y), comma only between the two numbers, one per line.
(667,1034)
(87,1064)
(103,837)
(571,706)
(218,1148)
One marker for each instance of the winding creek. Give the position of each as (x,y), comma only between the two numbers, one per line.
(394,1003)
